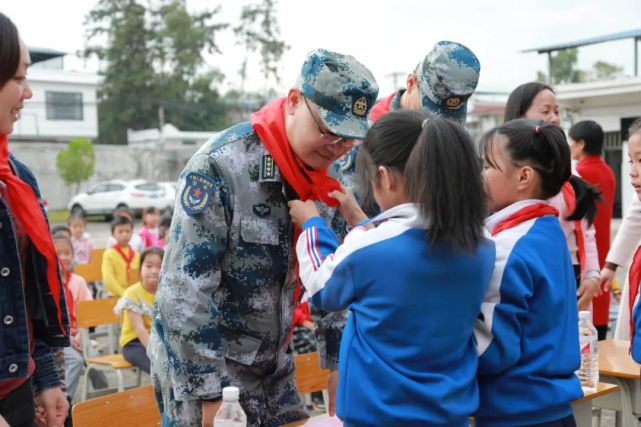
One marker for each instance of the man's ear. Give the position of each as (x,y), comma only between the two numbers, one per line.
(294,98)
(410,82)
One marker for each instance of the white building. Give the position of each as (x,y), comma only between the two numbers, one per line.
(64,103)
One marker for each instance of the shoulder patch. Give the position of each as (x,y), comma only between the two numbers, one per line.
(197,194)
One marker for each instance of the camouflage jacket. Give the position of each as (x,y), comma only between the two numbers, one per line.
(228,277)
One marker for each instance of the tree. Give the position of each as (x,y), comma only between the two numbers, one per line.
(151,61)
(604,70)
(563,68)
(258,29)
(75,163)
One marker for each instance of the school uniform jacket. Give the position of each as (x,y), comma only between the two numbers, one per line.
(407,356)
(527,334)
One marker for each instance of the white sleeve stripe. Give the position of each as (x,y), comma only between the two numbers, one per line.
(315,262)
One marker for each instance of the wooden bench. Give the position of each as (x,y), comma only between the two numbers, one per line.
(136,406)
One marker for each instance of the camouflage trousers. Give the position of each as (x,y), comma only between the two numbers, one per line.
(268,400)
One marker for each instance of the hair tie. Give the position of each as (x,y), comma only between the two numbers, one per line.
(537,130)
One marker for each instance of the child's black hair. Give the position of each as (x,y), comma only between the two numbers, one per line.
(591,133)
(543,147)
(57,230)
(76,216)
(165,221)
(120,220)
(441,171)
(151,250)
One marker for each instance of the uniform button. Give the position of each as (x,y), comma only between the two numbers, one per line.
(8,320)
(5,271)
(13,368)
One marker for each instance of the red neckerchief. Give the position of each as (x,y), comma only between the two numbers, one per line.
(381,108)
(26,207)
(634,278)
(269,124)
(128,258)
(570,202)
(524,214)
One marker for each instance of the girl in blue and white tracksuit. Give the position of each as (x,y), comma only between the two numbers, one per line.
(527,334)
(413,277)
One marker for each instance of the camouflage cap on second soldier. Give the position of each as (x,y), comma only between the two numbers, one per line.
(447,77)
(343,90)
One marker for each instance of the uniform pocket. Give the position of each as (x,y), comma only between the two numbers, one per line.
(241,349)
(259,231)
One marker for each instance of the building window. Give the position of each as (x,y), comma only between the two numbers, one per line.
(64,105)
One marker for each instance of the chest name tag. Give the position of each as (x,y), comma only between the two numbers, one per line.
(197,194)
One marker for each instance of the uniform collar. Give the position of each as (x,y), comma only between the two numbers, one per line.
(496,218)
(407,214)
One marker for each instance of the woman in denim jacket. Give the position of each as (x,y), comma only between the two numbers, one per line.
(32,306)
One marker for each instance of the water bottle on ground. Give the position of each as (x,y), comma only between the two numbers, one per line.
(588,337)
(230,414)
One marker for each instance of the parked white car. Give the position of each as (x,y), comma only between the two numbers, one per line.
(105,197)
(170,194)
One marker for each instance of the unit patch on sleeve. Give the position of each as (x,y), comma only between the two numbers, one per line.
(197,194)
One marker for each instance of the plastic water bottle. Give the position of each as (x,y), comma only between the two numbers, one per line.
(589,370)
(230,414)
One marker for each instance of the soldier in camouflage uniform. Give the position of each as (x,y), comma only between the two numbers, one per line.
(224,307)
(440,84)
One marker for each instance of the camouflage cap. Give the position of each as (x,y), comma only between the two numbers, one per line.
(447,77)
(343,90)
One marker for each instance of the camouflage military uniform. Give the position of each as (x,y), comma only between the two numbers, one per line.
(225,299)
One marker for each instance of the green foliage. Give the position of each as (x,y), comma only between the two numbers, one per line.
(153,61)
(258,30)
(75,163)
(604,70)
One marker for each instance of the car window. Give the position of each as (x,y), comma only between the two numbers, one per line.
(115,187)
(98,188)
(148,186)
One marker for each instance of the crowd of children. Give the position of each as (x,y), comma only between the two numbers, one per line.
(121,264)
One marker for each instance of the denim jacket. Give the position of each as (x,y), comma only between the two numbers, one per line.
(33,296)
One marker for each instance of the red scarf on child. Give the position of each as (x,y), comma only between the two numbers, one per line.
(634,278)
(309,184)
(524,214)
(127,257)
(26,207)
(570,202)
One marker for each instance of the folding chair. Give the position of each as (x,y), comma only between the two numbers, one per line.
(133,407)
(97,313)
(309,375)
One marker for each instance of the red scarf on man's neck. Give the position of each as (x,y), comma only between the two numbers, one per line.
(309,184)
(26,207)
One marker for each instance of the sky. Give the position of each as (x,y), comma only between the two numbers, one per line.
(387,36)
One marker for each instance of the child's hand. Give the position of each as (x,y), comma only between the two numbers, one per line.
(348,206)
(302,211)
(75,342)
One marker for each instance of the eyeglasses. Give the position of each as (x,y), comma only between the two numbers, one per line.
(329,137)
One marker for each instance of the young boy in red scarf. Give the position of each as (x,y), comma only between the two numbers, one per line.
(119,260)
(229,281)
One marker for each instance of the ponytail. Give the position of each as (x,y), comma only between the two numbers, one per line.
(587,196)
(443,175)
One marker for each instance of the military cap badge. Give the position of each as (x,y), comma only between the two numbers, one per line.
(359,108)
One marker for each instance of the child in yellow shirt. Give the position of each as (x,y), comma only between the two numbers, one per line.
(135,307)
(119,260)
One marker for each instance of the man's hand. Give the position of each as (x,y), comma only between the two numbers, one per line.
(302,211)
(210,409)
(332,384)
(52,407)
